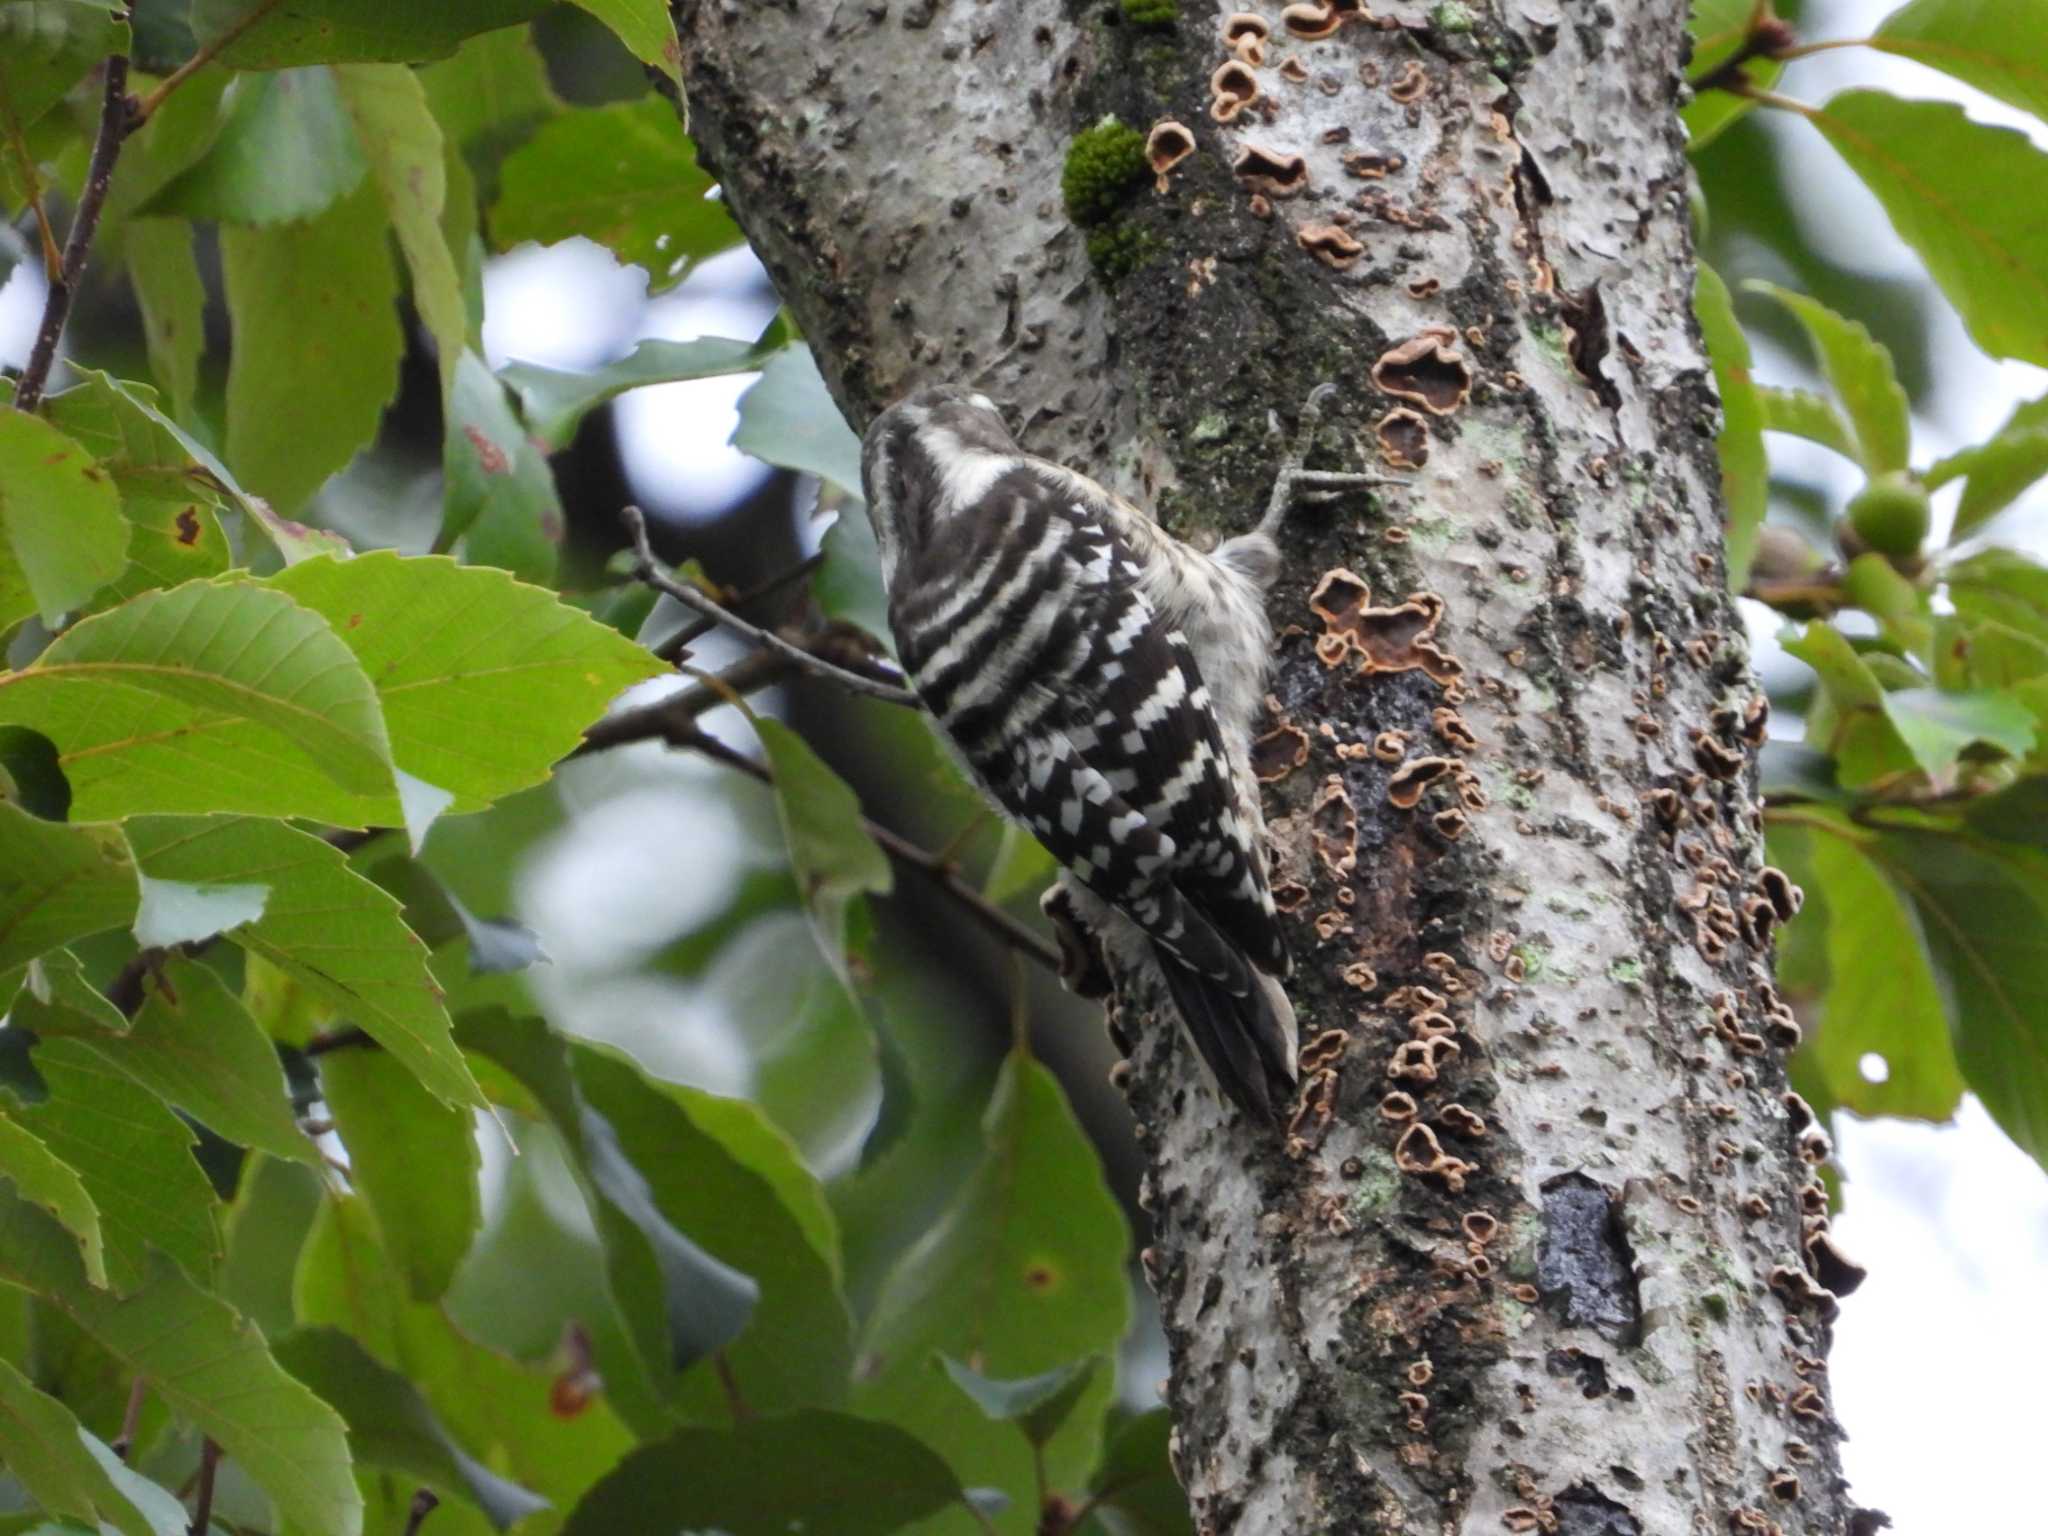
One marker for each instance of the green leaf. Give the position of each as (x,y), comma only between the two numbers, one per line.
(788,419)
(69,1471)
(46,49)
(131,1153)
(1939,727)
(212,696)
(45,1179)
(1021,866)
(327,928)
(267,1227)
(171,296)
(1803,413)
(1882,996)
(1984,910)
(391,1425)
(848,585)
(1023,1272)
(680,1303)
(1854,726)
(499,496)
(193,1044)
(168,496)
(647,30)
(1745,475)
(492,91)
(811,1471)
(1719,30)
(206,1364)
(316,345)
(1137,1481)
(1967,198)
(1038,1405)
(1860,371)
(485,683)
(1999,469)
(388,105)
(285,151)
(1999,46)
(414,1159)
(345,31)
(58,883)
(624,176)
(835,860)
(62,536)
(555,402)
(2002,585)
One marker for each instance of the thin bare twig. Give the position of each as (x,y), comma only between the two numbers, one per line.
(199,61)
(673,647)
(735,1400)
(116,122)
(131,1416)
(202,1508)
(424,1503)
(647,569)
(934,868)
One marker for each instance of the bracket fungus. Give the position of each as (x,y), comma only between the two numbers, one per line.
(1419,1152)
(1166,146)
(1278,753)
(1270,171)
(1232,88)
(1335,248)
(1428,369)
(1245,34)
(1311,23)
(1404,789)
(1403,438)
(1398,639)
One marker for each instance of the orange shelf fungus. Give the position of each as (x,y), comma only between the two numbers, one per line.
(1428,369)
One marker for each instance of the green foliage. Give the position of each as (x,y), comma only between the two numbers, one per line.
(1150,13)
(1103,165)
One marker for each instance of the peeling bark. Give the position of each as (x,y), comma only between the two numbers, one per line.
(1534,1252)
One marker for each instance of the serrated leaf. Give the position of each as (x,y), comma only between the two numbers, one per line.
(1967,198)
(556,401)
(1882,996)
(1745,476)
(344,31)
(133,1156)
(1999,46)
(2002,585)
(212,696)
(788,419)
(1037,1405)
(1023,1272)
(1860,370)
(42,1178)
(285,151)
(857,1478)
(62,536)
(205,1363)
(391,1425)
(485,683)
(499,497)
(313,307)
(492,91)
(625,176)
(835,861)
(680,1303)
(1802,413)
(69,1471)
(169,498)
(194,1045)
(326,927)
(59,882)
(402,142)
(395,1131)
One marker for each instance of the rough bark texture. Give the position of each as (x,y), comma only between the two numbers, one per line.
(1532,1256)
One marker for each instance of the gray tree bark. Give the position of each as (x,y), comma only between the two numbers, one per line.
(1542,1248)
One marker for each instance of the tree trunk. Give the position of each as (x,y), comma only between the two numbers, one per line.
(1532,1255)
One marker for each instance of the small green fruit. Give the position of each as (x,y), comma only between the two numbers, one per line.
(1891,515)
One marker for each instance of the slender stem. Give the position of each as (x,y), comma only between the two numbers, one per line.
(202,1509)
(424,1503)
(697,629)
(729,1384)
(116,122)
(205,56)
(131,1416)
(649,571)
(1803,50)
(991,917)
(1764,98)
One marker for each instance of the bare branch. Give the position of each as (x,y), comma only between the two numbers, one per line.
(673,647)
(116,122)
(199,60)
(648,570)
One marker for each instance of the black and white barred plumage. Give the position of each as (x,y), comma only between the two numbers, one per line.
(1098,677)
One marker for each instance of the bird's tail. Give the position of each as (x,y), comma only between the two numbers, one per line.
(1244,1030)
